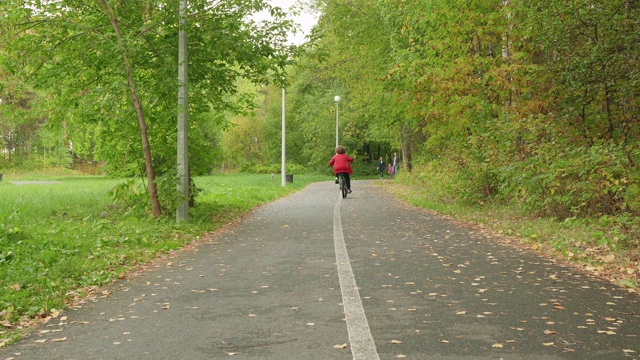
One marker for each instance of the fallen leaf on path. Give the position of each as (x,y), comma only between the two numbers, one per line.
(608,332)
(548,344)
(396,341)
(15,287)
(341,346)
(609,258)
(59,339)
(498,346)
(549,332)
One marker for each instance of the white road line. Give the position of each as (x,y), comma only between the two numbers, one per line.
(362,345)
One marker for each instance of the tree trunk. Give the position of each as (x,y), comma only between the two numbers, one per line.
(406,149)
(128,67)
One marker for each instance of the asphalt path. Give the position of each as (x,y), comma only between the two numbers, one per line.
(315,276)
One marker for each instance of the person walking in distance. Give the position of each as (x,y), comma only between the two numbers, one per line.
(382,167)
(341,163)
(395,163)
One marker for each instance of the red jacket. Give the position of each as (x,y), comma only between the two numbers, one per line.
(340,163)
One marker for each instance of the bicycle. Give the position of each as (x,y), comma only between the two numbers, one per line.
(343,185)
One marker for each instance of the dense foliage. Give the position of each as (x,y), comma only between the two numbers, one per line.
(532,103)
(519,102)
(104,74)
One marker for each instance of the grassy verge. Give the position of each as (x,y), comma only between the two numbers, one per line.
(61,241)
(591,244)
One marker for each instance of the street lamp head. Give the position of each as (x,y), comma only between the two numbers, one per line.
(337,98)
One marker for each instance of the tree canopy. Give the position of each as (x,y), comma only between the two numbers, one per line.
(107,72)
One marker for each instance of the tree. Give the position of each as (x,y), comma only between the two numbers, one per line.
(113,62)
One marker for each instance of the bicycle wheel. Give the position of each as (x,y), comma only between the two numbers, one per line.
(343,187)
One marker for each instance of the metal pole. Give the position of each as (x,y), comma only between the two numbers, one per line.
(284,155)
(337,99)
(182,212)
(337,124)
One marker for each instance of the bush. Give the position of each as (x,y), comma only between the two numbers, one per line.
(365,169)
(573,182)
(273,169)
(133,194)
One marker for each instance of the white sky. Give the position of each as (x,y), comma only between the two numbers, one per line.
(305,20)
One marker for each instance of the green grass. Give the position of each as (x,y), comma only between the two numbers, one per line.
(64,240)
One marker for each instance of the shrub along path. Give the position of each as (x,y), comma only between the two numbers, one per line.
(367,277)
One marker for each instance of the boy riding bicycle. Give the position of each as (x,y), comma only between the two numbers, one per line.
(341,165)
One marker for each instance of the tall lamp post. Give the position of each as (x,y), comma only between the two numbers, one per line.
(337,100)
(182,212)
(282,167)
